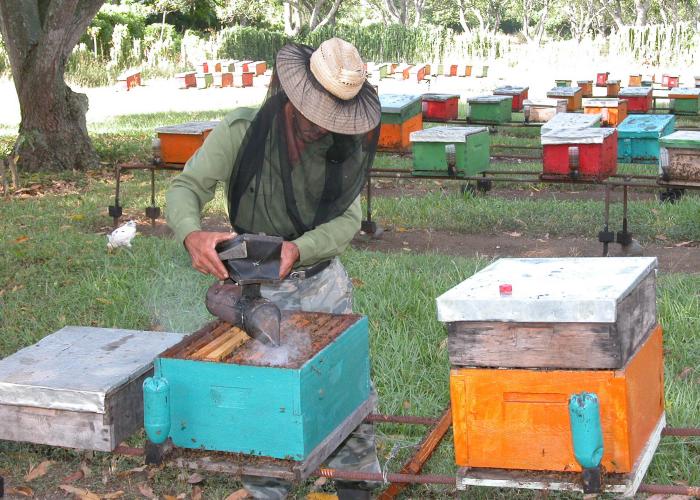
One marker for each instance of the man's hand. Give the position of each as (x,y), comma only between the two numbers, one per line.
(201,247)
(290,254)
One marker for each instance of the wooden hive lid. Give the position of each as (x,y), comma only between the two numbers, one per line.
(563,91)
(571,120)
(684,93)
(510,90)
(78,367)
(688,139)
(577,136)
(558,290)
(635,92)
(189,128)
(644,125)
(439,97)
(446,134)
(394,103)
(602,102)
(489,99)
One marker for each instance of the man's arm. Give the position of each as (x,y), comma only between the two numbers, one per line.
(330,239)
(195,187)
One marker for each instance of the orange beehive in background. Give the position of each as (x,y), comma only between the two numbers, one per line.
(179,142)
(401,115)
(612,110)
(519,419)
(524,335)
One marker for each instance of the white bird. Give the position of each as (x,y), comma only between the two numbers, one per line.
(122,236)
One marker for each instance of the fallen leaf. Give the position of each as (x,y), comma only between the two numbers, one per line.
(196,493)
(102,300)
(76,476)
(321,496)
(114,494)
(23,491)
(684,373)
(146,490)
(195,478)
(81,493)
(77,217)
(661,237)
(684,244)
(443,345)
(22,239)
(38,471)
(85,470)
(239,495)
(406,405)
(357,283)
(515,234)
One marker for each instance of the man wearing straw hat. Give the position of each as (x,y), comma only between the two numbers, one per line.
(293,168)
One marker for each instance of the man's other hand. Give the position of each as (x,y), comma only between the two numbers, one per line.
(201,247)
(290,254)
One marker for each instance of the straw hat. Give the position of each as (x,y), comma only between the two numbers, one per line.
(329,86)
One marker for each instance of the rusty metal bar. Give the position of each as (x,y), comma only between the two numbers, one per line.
(347,475)
(128,450)
(681,431)
(425,450)
(401,419)
(662,489)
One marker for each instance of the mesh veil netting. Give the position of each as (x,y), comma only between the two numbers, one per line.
(269,154)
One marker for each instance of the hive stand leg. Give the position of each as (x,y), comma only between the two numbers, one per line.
(368,226)
(606,236)
(153,212)
(115,211)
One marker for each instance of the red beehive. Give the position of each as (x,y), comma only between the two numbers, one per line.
(243,79)
(589,153)
(601,79)
(638,99)
(440,107)
(519,95)
(669,81)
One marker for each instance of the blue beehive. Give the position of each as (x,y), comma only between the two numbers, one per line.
(638,137)
(244,405)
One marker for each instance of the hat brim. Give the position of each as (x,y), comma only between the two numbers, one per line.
(354,116)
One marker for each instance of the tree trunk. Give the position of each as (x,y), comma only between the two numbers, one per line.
(641,7)
(40,36)
(292,19)
(614,8)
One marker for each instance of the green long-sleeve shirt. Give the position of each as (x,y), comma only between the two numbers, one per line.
(213,163)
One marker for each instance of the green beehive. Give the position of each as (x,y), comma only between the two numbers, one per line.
(493,109)
(204,80)
(563,83)
(685,101)
(450,151)
(397,108)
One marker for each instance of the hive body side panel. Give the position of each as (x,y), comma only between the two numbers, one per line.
(519,419)
(236,408)
(477,156)
(645,392)
(334,384)
(636,317)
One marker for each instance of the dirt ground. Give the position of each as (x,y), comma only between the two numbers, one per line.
(674,258)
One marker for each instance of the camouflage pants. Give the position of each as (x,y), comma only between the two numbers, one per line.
(328,291)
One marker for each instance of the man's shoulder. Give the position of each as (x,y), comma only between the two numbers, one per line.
(242,114)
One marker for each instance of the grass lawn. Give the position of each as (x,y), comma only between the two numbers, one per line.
(55,271)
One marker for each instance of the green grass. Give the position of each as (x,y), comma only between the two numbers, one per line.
(55,271)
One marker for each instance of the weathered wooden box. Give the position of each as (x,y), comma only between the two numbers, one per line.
(613,88)
(258,67)
(401,72)
(464,70)
(679,158)
(179,142)
(519,94)
(570,313)
(450,151)
(611,109)
(542,110)
(562,83)
(204,80)
(244,66)
(572,95)
(79,387)
(575,121)
(685,101)
(639,99)
(635,80)
(130,79)
(447,69)
(586,87)
(222,79)
(279,402)
(562,326)
(401,115)
(519,419)
(638,137)
(589,153)
(419,72)
(492,109)
(186,79)
(440,107)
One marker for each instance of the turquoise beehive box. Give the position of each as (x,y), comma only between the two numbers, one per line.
(638,137)
(245,405)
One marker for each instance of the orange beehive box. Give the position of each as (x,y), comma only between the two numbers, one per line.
(612,110)
(613,88)
(401,115)
(259,67)
(179,142)
(519,419)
